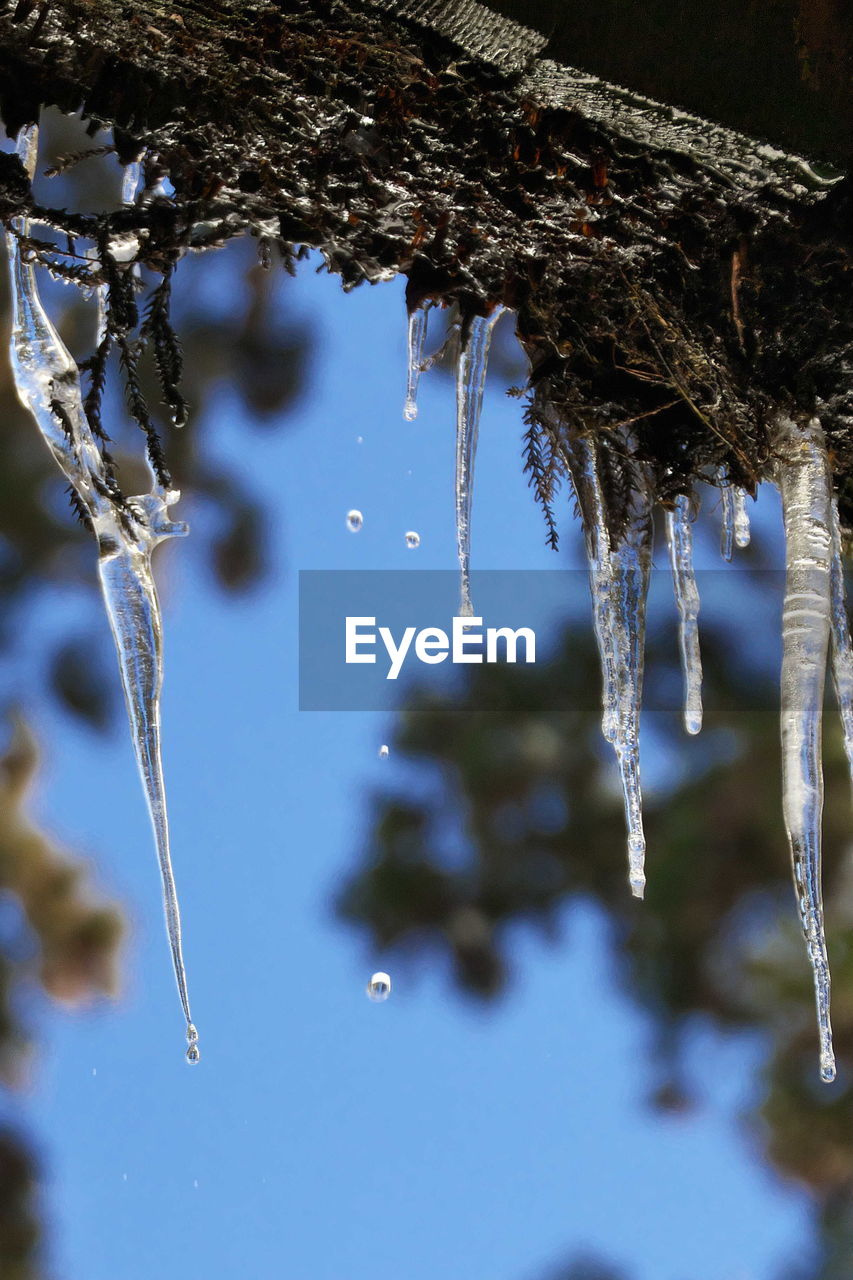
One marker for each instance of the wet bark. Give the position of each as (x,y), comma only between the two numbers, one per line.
(667,273)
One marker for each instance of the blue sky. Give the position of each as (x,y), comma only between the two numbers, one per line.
(323,1137)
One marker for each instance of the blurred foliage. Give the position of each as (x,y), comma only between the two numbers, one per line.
(53,935)
(518,815)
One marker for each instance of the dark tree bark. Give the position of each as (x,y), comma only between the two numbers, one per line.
(777,69)
(666,272)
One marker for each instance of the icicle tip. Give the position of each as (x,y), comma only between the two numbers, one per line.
(693,722)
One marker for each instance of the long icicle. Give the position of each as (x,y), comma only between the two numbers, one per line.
(804,480)
(470,381)
(619,581)
(587,481)
(48,384)
(842,649)
(415,338)
(632,558)
(679,539)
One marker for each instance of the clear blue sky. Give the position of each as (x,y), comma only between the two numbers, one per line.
(323,1137)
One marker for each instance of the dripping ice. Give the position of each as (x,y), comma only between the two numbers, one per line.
(415,350)
(812,561)
(471,365)
(679,538)
(127,531)
(735,529)
(619,580)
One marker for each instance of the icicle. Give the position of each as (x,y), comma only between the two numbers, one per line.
(584,466)
(679,539)
(415,348)
(130,182)
(741,519)
(804,480)
(619,580)
(727,531)
(842,650)
(631,564)
(470,381)
(48,384)
(735,527)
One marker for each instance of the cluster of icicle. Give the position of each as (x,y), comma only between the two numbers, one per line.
(47,381)
(814,621)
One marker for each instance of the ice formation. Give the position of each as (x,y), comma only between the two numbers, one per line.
(679,539)
(814,616)
(805,483)
(471,367)
(735,527)
(127,530)
(619,570)
(415,350)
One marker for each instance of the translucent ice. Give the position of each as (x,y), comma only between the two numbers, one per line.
(803,476)
(470,380)
(679,538)
(48,384)
(415,351)
(619,580)
(735,529)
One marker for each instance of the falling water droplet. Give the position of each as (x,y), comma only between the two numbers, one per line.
(354,521)
(383,752)
(379,987)
(413,540)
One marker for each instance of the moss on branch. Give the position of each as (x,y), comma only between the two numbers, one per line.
(666,273)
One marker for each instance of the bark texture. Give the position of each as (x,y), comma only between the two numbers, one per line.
(671,278)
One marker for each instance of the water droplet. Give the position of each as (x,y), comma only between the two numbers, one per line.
(193,1054)
(195,1183)
(354,521)
(383,752)
(413,540)
(379,987)
(359,439)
